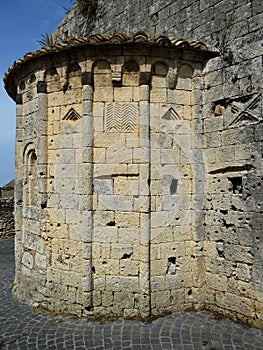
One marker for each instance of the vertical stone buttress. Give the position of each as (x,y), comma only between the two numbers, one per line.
(145,216)
(199,190)
(42,120)
(18,182)
(87,178)
(41,175)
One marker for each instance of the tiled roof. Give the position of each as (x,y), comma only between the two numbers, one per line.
(139,38)
(9,186)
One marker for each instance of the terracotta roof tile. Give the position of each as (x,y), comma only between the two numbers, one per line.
(139,37)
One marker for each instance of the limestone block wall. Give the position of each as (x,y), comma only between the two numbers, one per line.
(50,212)
(118,181)
(229,136)
(175,157)
(108,174)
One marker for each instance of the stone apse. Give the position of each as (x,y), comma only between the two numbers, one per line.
(111,176)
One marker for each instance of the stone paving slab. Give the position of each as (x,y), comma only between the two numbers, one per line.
(22,328)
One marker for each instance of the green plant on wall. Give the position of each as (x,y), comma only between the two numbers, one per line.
(223,39)
(228,56)
(46,41)
(83,6)
(234,78)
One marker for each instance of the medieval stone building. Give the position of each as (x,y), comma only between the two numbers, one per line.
(139,163)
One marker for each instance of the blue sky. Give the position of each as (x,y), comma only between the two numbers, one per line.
(21,23)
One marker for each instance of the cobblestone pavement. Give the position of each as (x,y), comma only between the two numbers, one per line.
(22,328)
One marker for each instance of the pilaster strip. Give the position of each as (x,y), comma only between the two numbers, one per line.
(87,79)
(87,202)
(144,132)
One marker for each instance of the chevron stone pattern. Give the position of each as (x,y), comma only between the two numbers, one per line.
(121,117)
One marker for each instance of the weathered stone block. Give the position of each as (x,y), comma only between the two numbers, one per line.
(128,235)
(103,186)
(28,259)
(105,234)
(126,219)
(129,268)
(103,94)
(158,95)
(118,284)
(125,186)
(114,202)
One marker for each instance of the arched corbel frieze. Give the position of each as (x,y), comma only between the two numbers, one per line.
(102,75)
(29,88)
(52,79)
(159,71)
(73,77)
(184,77)
(130,73)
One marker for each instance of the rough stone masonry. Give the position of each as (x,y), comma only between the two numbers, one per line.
(139,177)
(7,225)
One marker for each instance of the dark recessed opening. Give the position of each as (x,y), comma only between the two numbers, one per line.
(126,256)
(43,205)
(173,186)
(171,266)
(236,184)
(172,259)
(111,223)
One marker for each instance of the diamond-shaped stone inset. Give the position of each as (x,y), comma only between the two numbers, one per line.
(72,115)
(171,114)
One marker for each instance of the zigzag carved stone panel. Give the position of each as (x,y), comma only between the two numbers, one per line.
(122,117)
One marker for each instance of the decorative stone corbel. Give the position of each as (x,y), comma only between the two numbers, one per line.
(117,75)
(87,78)
(145,78)
(19,99)
(42,87)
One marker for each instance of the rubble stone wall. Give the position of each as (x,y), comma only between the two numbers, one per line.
(7,225)
(190,19)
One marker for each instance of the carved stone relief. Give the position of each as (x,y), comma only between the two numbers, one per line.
(171,115)
(247,109)
(72,115)
(121,117)
(241,110)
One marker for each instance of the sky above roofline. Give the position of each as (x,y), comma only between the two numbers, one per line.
(21,23)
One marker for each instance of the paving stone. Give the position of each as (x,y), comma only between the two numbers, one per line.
(23,329)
